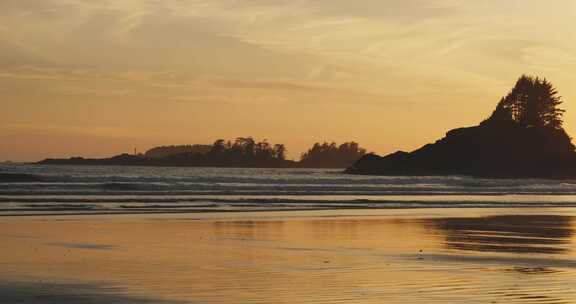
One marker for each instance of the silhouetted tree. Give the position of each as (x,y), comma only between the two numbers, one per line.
(533,102)
(247,150)
(331,155)
(279,151)
(218,147)
(263,150)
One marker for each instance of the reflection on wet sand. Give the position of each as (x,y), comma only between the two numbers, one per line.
(534,270)
(248,229)
(546,234)
(387,256)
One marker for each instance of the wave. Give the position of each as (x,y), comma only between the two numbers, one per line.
(19,178)
(325,191)
(41,185)
(268,204)
(342,180)
(69,189)
(317,177)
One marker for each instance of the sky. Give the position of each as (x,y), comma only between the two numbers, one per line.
(98,78)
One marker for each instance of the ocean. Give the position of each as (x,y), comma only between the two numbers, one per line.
(27,189)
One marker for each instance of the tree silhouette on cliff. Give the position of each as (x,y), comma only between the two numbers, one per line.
(533,102)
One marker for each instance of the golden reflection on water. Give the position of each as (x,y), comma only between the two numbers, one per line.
(375,256)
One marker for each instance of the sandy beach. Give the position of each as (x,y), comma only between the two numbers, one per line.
(443,255)
(287,152)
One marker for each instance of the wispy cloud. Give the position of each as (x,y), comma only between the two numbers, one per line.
(68,61)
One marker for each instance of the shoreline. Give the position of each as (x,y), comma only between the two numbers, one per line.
(54,206)
(311,212)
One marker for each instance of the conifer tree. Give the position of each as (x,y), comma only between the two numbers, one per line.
(533,102)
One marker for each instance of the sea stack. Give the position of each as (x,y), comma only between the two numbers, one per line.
(523,137)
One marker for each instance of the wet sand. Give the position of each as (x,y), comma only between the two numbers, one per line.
(521,255)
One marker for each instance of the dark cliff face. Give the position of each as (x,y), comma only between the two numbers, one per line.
(495,149)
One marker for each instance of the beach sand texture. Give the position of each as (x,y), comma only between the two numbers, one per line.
(338,256)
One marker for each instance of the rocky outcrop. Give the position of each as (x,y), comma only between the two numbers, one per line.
(522,138)
(491,149)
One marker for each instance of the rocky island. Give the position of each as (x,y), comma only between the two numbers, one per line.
(243,152)
(523,137)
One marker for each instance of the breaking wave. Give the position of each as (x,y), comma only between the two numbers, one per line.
(33,189)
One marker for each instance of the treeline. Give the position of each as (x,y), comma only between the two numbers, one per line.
(240,152)
(327,155)
(165,151)
(246,148)
(324,155)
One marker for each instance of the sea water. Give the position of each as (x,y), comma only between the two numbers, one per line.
(37,189)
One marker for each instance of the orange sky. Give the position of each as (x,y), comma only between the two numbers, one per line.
(96,78)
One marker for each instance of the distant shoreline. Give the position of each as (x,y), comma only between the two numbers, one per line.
(243,152)
(152,163)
